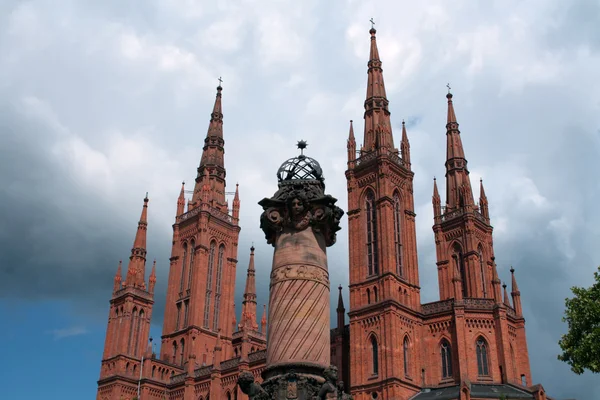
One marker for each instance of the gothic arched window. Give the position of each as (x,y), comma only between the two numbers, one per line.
(138,331)
(459,264)
(174,352)
(482,267)
(446,352)
(375,294)
(372,257)
(514,361)
(211,262)
(406,356)
(218,287)
(182,351)
(375,355)
(398,234)
(191,268)
(482,357)
(368,296)
(183,263)
(134,318)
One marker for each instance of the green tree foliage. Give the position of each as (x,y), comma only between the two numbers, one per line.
(581,345)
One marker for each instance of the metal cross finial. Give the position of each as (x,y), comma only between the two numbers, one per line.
(372,23)
(448,86)
(220,81)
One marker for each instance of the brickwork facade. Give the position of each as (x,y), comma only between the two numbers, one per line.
(471,344)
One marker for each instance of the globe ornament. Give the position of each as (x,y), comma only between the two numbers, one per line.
(300,168)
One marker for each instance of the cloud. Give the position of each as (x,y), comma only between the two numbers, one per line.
(100,104)
(67,332)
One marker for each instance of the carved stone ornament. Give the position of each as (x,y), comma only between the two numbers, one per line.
(293,386)
(298,205)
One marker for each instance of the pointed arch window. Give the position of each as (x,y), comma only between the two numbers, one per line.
(459,263)
(375,294)
(405,348)
(134,318)
(368,296)
(138,331)
(218,287)
(191,267)
(174,352)
(183,264)
(514,361)
(446,353)
(211,261)
(372,256)
(482,357)
(182,351)
(482,267)
(375,355)
(398,234)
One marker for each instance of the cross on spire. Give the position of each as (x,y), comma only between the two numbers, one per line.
(220,81)
(372,23)
(448,86)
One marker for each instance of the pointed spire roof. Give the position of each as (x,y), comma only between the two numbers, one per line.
(340,305)
(152,279)
(436,193)
(351,133)
(137,260)
(458,186)
(249,302)
(212,160)
(404,134)
(378,128)
(118,278)
(514,288)
(481,190)
(263,320)
(506,298)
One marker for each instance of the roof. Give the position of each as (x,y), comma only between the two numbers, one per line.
(477,391)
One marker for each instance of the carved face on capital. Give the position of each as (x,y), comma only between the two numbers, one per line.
(296,207)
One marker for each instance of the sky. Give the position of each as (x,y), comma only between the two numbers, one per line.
(101,102)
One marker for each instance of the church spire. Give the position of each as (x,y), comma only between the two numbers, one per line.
(137,260)
(249,304)
(506,299)
(341,312)
(405,145)
(435,199)
(516,294)
(152,279)
(263,320)
(378,128)
(483,202)
(458,186)
(181,200)
(212,159)
(351,144)
(117,280)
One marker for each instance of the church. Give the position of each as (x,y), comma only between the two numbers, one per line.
(471,344)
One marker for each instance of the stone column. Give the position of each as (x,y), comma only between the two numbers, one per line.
(300,221)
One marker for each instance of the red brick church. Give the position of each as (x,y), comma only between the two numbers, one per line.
(471,344)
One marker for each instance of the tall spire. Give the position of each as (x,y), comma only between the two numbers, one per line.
(378,128)
(213,155)
(436,201)
(458,186)
(137,260)
(483,202)
(405,145)
(152,279)
(496,282)
(341,312)
(515,293)
(263,320)
(236,203)
(181,200)
(351,144)
(117,280)
(249,304)
(506,299)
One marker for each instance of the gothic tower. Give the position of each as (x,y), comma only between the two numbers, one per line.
(482,336)
(463,234)
(130,313)
(200,293)
(384,279)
